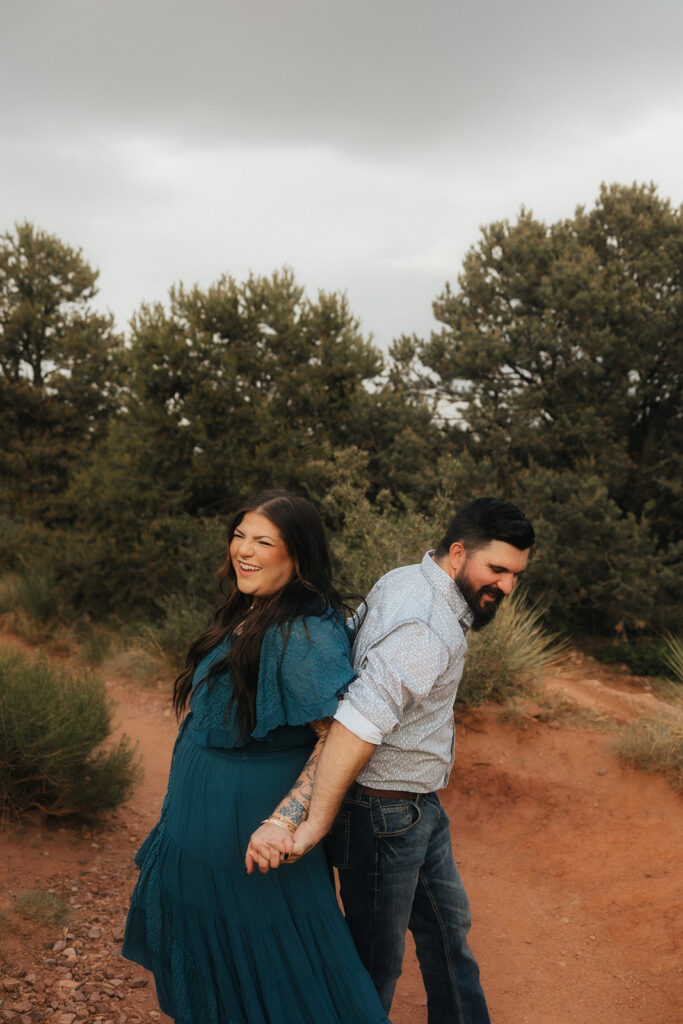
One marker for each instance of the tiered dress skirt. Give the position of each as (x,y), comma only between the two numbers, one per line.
(225,947)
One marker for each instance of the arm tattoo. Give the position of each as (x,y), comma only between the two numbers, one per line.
(294,807)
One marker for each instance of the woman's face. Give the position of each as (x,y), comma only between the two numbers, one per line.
(259,557)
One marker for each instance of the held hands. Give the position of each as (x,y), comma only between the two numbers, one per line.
(270,846)
(305,838)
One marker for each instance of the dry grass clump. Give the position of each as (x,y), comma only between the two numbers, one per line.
(509,654)
(137,664)
(42,907)
(653,745)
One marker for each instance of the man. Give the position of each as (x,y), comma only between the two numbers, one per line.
(394,735)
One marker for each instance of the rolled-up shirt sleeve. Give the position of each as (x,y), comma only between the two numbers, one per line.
(397,671)
(358,724)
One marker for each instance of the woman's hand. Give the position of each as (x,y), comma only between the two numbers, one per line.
(268,847)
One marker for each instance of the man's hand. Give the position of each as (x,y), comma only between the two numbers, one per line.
(305,838)
(268,847)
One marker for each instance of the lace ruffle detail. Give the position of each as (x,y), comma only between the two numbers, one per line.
(305,668)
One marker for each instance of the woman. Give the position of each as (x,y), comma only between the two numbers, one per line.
(226,947)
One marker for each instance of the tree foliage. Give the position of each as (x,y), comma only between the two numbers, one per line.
(563,353)
(554,381)
(231,389)
(58,369)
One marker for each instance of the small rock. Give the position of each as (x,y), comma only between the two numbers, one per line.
(138,982)
(601,771)
(58,946)
(95,933)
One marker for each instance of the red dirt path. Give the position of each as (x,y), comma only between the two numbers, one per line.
(572,864)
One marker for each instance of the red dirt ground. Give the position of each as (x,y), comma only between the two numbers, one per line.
(572,864)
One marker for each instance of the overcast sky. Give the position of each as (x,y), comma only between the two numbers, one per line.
(361,143)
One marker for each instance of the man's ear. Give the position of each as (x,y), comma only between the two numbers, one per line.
(457,557)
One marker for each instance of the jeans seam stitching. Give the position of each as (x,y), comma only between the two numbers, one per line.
(442,930)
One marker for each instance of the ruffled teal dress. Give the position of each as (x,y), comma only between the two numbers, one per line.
(224,947)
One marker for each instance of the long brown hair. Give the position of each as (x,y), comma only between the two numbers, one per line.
(309,592)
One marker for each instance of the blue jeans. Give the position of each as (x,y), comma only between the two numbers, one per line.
(396,871)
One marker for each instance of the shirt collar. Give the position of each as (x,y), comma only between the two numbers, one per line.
(440,581)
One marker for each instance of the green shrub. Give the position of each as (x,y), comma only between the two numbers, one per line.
(509,654)
(51,724)
(367,539)
(645,656)
(653,745)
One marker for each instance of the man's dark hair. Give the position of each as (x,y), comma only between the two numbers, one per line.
(486,519)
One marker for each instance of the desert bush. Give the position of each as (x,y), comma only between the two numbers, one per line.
(653,745)
(645,656)
(27,604)
(510,653)
(9,593)
(11,541)
(51,726)
(367,539)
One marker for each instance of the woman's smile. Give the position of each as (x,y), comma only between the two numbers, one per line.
(259,556)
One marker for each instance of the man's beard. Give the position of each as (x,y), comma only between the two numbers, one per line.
(483,612)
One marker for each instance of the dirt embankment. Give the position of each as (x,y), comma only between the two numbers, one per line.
(573,865)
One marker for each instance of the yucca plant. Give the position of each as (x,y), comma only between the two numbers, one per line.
(673,656)
(509,654)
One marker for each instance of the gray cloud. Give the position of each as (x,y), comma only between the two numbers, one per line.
(381,75)
(363,143)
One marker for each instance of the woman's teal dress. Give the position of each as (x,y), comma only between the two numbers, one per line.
(224,947)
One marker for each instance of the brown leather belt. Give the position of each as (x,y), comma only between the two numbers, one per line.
(391,794)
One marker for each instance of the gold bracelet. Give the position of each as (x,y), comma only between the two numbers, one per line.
(276,821)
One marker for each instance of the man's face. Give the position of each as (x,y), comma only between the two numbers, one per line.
(487,575)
